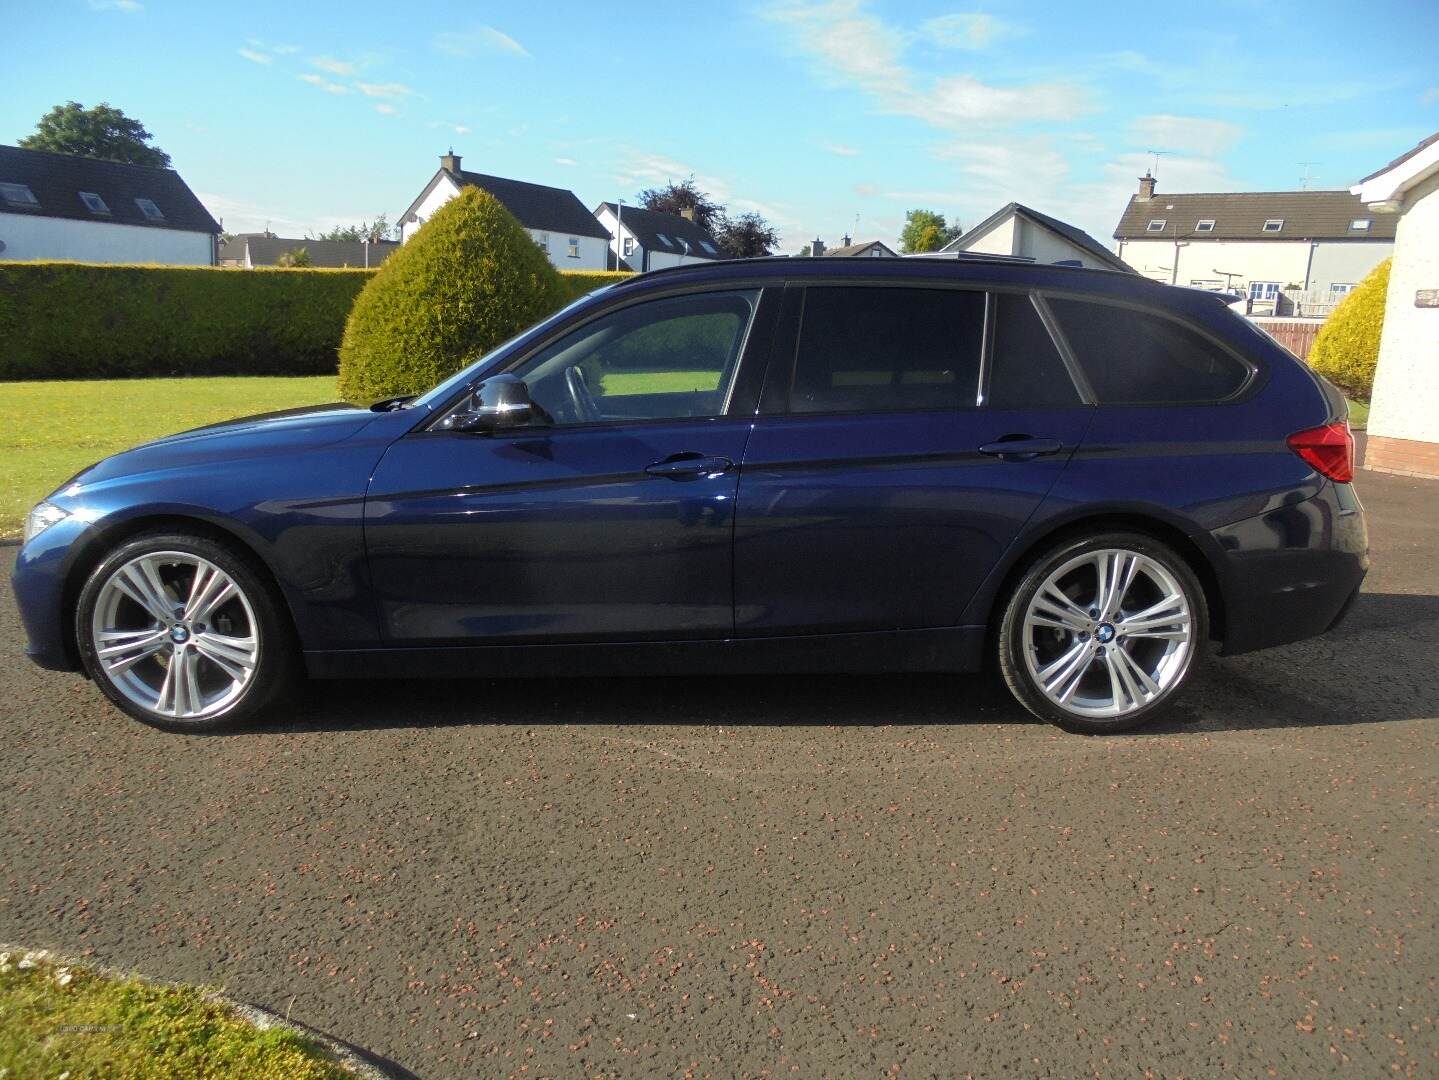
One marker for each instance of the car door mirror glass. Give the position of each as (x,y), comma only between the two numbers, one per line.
(501,401)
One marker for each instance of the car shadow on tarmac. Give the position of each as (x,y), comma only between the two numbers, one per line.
(1371,669)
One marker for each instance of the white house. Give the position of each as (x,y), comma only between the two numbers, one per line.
(557,220)
(60,206)
(1290,252)
(648,239)
(1404,413)
(1017,229)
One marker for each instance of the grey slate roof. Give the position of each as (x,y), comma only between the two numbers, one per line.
(1076,236)
(56,181)
(860,249)
(647,227)
(1307,215)
(548,209)
(332,254)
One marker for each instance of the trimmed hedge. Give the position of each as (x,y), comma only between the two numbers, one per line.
(579,282)
(87,321)
(1346,348)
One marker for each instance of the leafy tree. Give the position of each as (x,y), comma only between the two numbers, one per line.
(379,229)
(101,132)
(469,280)
(686,195)
(746,236)
(297,256)
(925,230)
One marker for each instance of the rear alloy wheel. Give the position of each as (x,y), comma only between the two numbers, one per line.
(1102,632)
(183,633)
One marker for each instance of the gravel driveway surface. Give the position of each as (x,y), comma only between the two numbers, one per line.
(780,876)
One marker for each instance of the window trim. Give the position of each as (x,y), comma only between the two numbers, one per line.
(573,247)
(1361,224)
(1156,225)
(1277,222)
(104,208)
(140,203)
(768,295)
(21,204)
(1204,225)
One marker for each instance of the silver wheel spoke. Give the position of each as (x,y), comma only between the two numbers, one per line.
(234,656)
(1061,608)
(141,583)
(1063,677)
(121,649)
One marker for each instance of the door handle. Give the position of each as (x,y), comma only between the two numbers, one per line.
(690,464)
(1021,448)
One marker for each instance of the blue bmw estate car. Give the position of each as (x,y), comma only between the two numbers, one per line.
(1083,478)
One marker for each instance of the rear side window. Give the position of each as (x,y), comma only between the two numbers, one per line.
(1135,358)
(1026,371)
(884,349)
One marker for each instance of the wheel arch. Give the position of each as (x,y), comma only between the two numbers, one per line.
(106,537)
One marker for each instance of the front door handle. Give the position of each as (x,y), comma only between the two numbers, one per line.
(1021,448)
(690,464)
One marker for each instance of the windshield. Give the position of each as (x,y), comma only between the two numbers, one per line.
(467,374)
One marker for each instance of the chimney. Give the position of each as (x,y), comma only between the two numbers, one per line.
(1146,187)
(688,213)
(845,241)
(817,248)
(450,162)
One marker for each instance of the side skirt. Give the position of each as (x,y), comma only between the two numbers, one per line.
(954,649)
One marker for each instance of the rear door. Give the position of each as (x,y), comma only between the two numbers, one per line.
(905,436)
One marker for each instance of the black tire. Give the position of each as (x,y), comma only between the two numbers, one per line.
(1011,644)
(276,666)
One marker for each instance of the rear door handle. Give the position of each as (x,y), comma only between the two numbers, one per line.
(687,465)
(1021,448)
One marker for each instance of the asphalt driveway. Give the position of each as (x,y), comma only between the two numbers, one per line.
(801,876)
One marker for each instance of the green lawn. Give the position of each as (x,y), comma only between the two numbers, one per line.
(58,1021)
(1358,413)
(51,430)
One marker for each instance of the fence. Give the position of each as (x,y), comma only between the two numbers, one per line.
(1296,335)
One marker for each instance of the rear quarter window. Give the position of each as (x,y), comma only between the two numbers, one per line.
(1132,357)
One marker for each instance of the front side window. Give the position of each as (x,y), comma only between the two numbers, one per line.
(1134,357)
(664,359)
(886,349)
(1025,371)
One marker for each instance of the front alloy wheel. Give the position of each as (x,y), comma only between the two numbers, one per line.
(1100,633)
(182,633)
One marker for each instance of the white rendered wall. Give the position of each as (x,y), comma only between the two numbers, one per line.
(30,237)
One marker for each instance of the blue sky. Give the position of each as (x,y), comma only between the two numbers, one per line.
(827,116)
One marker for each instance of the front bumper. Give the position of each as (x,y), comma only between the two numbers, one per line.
(1293,571)
(42,568)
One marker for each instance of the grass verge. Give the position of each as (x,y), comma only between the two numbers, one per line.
(59,1021)
(51,430)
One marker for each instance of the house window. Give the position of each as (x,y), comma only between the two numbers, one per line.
(665,240)
(1360,224)
(95,204)
(709,247)
(149,209)
(574,247)
(1341,288)
(544,241)
(629,246)
(1264,290)
(1157,225)
(18,195)
(1206,225)
(1274,224)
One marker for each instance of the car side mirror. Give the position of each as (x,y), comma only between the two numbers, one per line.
(501,401)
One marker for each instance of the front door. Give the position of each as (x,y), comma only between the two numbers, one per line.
(919,430)
(610,517)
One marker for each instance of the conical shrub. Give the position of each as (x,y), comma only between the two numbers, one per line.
(1346,349)
(470,279)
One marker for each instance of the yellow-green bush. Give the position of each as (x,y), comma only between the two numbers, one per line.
(1347,345)
(579,282)
(79,320)
(470,279)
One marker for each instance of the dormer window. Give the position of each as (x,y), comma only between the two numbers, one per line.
(1205,225)
(94,203)
(150,210)
(1274,224)
(665,240)
(17,195)
(1157,225)
(709,247)
(1360,224)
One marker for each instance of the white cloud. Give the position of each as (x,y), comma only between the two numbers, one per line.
(480,39)
(324,84)
(129,7)
(971,30)
(333,66)
(841,150)
(565,161)
(385,110)
(255,57)
(282,50)
(458,129)
(1185,135)
(238,214)
(384,90)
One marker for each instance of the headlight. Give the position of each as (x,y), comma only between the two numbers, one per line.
(41,518)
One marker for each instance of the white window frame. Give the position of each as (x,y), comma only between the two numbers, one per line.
(1341,288)
(627,246)
(1277,224)
(149,209)
(1361,224)
(102,208)
(1204,225)
(544,241)
(574,247)
(1156,225)
(16,194)
(1266,291)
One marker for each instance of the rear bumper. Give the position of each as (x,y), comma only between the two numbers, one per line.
(1292,572)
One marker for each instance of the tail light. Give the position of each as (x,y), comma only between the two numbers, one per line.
(1330,449)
